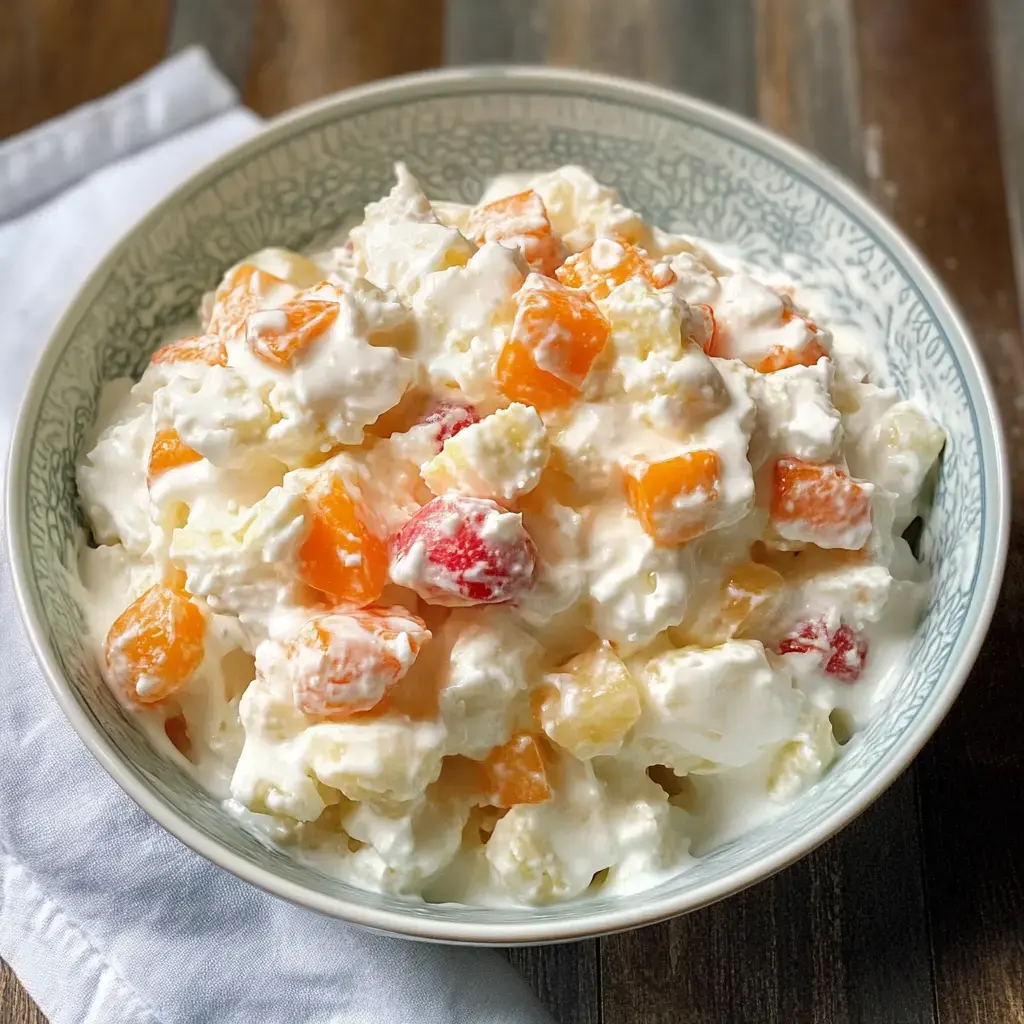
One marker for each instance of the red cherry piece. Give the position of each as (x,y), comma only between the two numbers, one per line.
(458,551)
(450,419)
(842,652)
(849,652)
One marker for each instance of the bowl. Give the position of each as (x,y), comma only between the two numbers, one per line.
(687,167)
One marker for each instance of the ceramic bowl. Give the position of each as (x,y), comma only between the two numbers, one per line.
(687,167)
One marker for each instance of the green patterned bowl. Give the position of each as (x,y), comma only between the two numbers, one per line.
(687,167)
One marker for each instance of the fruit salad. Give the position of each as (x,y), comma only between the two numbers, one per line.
(507,552)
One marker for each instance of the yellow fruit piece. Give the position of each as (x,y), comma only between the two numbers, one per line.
(748,595)
(909,430)
(168,452)
(514,773)
(588,707)
(672,499)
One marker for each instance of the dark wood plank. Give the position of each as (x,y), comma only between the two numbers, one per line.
(706,49)
(1006,31)
(938,170)
(498,31)
(15,1005)
(841,935)
(566,979)
(306,49)
(224,28)
(55,55)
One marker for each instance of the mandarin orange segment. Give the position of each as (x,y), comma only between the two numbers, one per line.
(606,264)
(344,665)
(819,504)
(672,498)
(155,645)
(168,452)
(203,348)
(243,291)
(280,336)
(514,773)
(520,220)
(712,343)
(556,336)
(345,553)
(782,358)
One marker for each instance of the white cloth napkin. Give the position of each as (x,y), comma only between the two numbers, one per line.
(105,917)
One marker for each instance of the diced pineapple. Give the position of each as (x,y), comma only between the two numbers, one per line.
(500,457)
(290,266)
(803,759)
(744,601)
(590,705)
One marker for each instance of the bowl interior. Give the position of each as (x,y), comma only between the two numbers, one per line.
(686,168)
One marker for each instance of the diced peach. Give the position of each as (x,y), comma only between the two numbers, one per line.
(819,504)
(514,773)
(672,498)
(155,645)
(280,336)
(203,348)
(556,336)
(168,452)
(345,552)
(522,221)
(243,291)
(606,264)
(712,340)
(345,664)
(781,358)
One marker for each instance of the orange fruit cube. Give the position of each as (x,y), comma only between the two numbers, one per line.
(243,291)
(514,773)
(556,336)
(168,452)
(819,504)
(345,664)
(606,264)
(203,348)
(345,552)
(673,499)
(781,358)
(520,220)
(712,343)
(155,645)
(280,336)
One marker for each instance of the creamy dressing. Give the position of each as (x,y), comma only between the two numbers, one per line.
(611,634)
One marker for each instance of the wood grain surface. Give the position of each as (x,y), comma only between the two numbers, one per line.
(915,913)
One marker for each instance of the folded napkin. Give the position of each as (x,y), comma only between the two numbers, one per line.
(105,917)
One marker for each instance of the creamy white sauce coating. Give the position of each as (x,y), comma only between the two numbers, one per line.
(672,713)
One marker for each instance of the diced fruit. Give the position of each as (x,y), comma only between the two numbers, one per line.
(908,430)
(244,290)
(460,551)
(819,504)
(345,553)
(501,457)
(168,452)
(522,221)
(155,645)
(344,664)
(712,342)
(747,597)
(449,419)
(556,336)
(673,499)
(204,348)
(280,336)
(842,652)
(590,704)
(780,358)
(515,774)
(606,264)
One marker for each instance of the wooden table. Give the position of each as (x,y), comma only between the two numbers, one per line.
(915,913)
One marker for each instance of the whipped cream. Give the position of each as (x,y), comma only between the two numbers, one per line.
(504,553)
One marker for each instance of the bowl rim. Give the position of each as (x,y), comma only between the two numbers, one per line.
(639,911)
